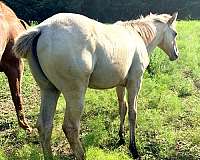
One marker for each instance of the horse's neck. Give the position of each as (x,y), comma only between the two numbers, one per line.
(155,41)
(150,33)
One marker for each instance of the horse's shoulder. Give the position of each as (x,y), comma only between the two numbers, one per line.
(141,57)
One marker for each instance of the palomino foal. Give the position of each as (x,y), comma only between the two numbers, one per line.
(69,52)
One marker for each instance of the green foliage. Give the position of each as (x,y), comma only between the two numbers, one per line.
(103,10)
(168,112)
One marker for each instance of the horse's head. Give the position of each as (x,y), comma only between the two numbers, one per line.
(168,41)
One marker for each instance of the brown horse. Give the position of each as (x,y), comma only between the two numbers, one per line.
(10,27)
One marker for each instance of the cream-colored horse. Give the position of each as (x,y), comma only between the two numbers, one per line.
(69,52)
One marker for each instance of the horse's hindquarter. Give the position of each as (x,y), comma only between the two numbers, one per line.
(3,34)
(10,28)
(65,54)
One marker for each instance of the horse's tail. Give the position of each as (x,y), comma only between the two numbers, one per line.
(26,42)
(24,24)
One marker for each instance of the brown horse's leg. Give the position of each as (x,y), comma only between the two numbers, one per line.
(122,112)
(14,78)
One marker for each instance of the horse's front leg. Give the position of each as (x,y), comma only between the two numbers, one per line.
(14,75)
(49,97)
(133,87)
(122,112)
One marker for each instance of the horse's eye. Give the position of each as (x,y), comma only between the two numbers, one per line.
(175,34)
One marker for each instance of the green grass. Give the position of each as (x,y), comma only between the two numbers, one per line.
(168,112)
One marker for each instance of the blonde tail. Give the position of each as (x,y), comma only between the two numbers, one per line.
(25,42)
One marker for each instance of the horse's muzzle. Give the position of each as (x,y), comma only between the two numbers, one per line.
(174,56)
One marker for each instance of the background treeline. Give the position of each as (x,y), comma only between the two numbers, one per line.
(104,10)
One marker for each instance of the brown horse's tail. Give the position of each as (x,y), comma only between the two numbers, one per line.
(26,42)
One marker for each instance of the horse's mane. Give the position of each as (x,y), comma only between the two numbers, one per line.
(145,25)
(4,9)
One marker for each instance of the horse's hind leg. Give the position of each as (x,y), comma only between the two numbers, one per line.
(71,125)
(14,74)
(122,112)
(49,97)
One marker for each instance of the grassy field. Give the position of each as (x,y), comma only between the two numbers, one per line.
(168,125)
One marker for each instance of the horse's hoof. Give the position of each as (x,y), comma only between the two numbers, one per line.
(134,152)
(121,142)
(25,126)
(29,130)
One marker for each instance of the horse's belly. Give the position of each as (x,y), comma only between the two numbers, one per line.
(110,70)
(108,78)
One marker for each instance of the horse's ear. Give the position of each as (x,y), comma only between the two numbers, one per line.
(173,18)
